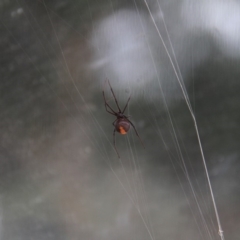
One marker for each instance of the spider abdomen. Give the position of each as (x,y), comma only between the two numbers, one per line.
(122,126)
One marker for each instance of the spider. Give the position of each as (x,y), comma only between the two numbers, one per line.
(122,123)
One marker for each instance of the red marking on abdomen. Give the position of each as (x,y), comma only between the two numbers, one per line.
(122,130)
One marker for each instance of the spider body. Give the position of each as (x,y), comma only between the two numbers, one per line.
(122,124)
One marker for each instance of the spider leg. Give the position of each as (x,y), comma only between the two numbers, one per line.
(107,105)
(111,111)
(136,133)
(114,96)
(114,122)
(126,104)
(114,142)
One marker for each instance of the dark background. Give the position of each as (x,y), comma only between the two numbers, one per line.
(60,177)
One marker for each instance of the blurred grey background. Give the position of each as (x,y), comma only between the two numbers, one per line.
(60,177)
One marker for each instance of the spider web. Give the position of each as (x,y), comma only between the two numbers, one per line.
(61,177)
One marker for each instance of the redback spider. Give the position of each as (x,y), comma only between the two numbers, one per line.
(122,123)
